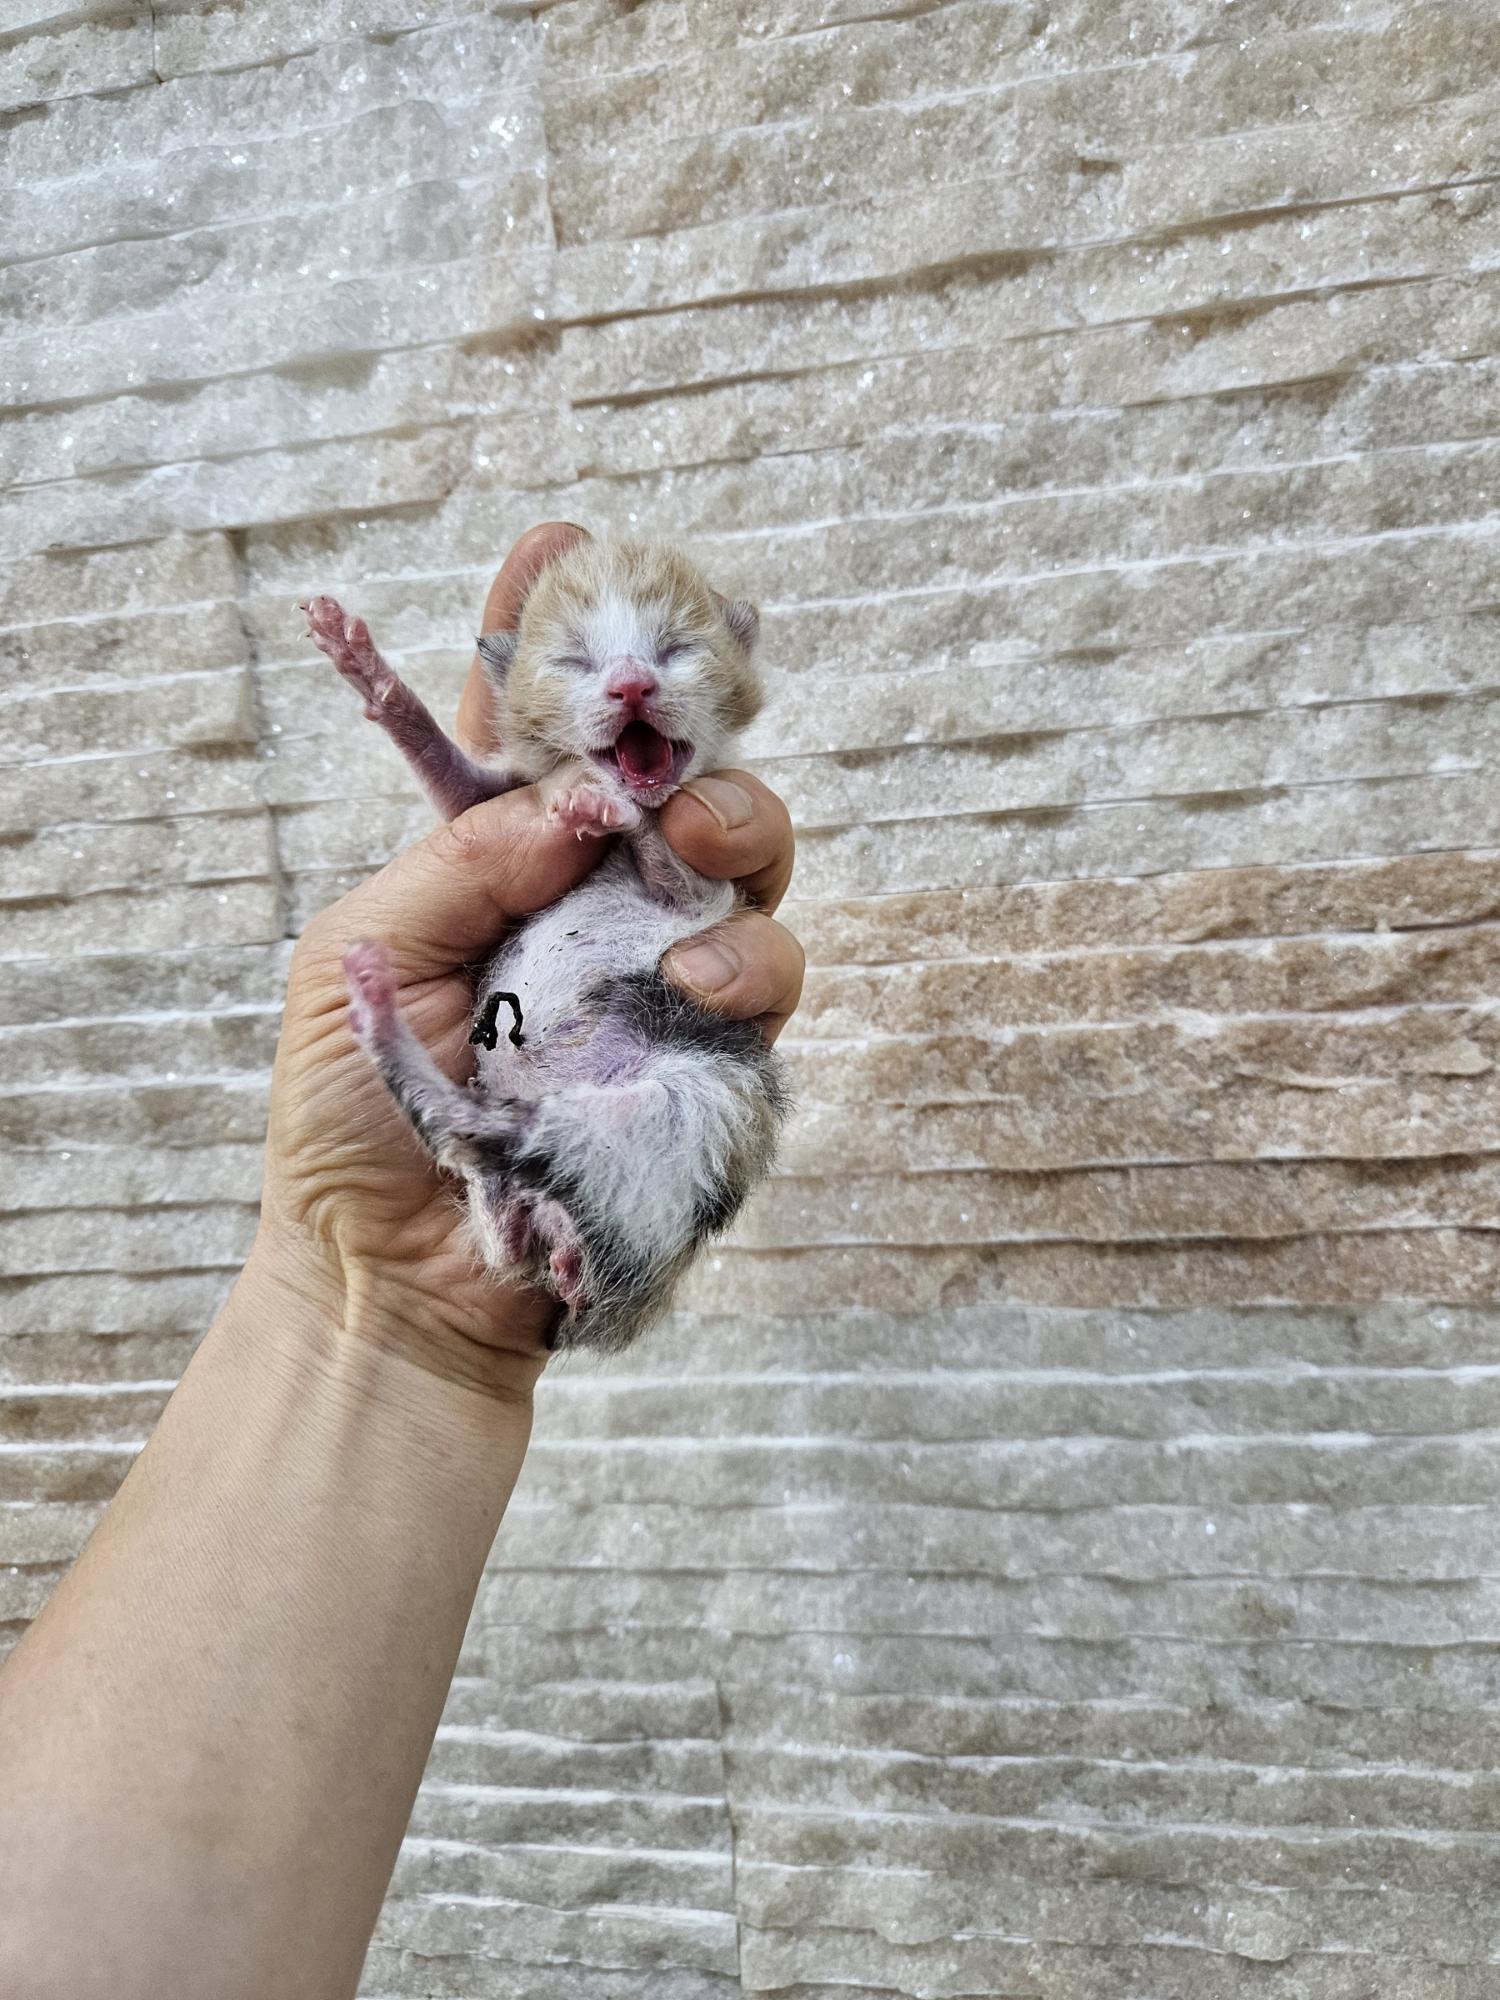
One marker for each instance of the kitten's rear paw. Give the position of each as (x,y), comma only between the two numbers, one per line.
(552,1230)
(590,809)
(347,642)
(372,993)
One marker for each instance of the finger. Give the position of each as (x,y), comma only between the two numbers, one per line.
(502,613)
(749,967)
(732,827)
(449,900)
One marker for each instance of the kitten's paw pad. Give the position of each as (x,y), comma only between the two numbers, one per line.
(347,642)
(587,809)
(372,992)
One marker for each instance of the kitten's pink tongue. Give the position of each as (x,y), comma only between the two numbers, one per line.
(644,753)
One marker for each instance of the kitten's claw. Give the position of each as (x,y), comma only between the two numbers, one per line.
(585,809)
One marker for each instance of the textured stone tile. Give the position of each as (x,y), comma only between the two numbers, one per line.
(196,35)
(222,180)
(85,585)
(184,712)
(111,52)
(165,919)
(423,223)
(281,102)
(109,784)
(569,1876)
(698,166)
(346,396)
(1412,892)
(164,1239)
(80,861)
(1068,198)
(1136,1204)
(373,472)
(309,323)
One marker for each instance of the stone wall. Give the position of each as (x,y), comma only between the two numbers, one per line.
(1052,1554)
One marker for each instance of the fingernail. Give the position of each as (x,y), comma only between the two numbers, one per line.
(706,967)
(729,803)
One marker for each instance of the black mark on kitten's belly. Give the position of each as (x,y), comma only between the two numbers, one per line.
(485,1032)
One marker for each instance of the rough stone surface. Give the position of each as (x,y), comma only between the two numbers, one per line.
(1051,1551)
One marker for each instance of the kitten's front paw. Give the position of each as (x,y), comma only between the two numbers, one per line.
(346,640)
(589,809)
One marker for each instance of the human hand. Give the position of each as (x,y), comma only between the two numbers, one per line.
(352,1204)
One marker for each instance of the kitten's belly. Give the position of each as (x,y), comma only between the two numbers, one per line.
(606,927)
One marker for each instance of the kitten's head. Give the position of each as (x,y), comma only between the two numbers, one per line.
(626,658)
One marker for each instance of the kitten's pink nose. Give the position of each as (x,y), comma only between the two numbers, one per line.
(631,683)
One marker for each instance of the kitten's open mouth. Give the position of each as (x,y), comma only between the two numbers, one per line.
(645,759)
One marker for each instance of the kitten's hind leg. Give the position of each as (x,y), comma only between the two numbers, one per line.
(459,1129)
(450,778)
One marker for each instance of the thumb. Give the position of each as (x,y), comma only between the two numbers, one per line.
(451,898)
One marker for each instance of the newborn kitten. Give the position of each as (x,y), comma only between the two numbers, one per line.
(611,1124)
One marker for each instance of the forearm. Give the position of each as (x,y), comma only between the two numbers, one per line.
(211,1738)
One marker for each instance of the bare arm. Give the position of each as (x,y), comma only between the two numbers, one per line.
(211,1737)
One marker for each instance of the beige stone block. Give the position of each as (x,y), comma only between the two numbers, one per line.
(1413,892)
(429,222)
(68,1472)
(572,1877)
(197,35)
(77,58)
(186,341)
(35,1360)
(188,711)
(44,1415)
(275,101)
(466,1755)
(82,861)
(224,1045)
(1138,1204)
(1181,757)
(495,1816)
(1315,1269)
(223,178)
(112,507)
(1182,280)
(134,648)
(630,1938)
(1072,195)
(111,1302)
(131,785)
(324,838)
(96,584)
(197,1111)
(199,1237)
(165,919)
(1287,976)
(44,1533)
(347,396)
(108,985)
(1280,824)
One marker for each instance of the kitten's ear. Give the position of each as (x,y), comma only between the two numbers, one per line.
(497,650)
(743,620)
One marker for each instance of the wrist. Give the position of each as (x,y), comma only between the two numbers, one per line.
(374,1325)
